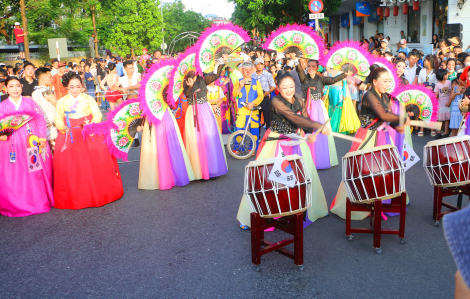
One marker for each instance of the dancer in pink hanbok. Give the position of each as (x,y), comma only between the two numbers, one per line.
(24,190)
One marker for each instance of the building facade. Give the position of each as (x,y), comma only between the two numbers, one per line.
(418,25)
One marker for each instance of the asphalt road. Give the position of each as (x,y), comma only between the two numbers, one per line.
(185,243)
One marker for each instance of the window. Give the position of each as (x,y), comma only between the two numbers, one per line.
(380,26)
(414,21)
(439,17)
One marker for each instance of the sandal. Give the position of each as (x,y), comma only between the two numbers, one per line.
(244,226)
(433,134)
(420,134)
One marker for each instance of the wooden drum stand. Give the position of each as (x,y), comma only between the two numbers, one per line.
(292,225)
(440,193)
(397,205)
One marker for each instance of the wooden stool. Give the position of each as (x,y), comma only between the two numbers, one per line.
(397,205)
(440,193)
(292,225)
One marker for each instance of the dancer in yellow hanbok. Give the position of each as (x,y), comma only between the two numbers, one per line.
(340,108)
(215,97)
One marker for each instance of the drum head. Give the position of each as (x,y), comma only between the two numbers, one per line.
(448,140)
(271,160)
(369,150)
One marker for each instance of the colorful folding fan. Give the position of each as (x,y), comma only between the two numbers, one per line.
(126,118)
(347,54)
(11,122)
(153,93)
(185,63)
(215,41)
(298,39)
(420,96)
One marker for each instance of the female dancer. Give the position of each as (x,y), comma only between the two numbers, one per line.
(112,96)
(24,193)
(289,115)
(312,88)
(376,109)
(203,140)
(85,174)
(401,66)
(164,162)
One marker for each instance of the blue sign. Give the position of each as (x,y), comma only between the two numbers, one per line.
(312,24)
(357,20)
(362,9)
(374,17)
(345,20)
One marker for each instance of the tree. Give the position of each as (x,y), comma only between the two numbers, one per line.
(137,25)
(268,15)
(177,20)
(7,9)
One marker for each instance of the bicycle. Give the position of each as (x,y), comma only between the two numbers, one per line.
(246,147)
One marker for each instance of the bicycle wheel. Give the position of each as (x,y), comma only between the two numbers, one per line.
(240,150)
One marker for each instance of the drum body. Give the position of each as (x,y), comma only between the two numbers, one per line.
(271,199)
(447,161)
(373,174)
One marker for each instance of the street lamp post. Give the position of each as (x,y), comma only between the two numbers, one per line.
(203,8)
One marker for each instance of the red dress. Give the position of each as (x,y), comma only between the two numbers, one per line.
(113,96)
(85,174)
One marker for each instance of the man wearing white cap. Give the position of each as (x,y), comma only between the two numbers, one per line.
(19,37)
(251,93)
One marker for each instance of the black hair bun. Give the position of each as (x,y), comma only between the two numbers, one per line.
(69,76)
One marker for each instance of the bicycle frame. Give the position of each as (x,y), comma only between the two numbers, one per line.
(246,127)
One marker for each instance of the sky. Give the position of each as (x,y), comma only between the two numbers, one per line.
(221,8)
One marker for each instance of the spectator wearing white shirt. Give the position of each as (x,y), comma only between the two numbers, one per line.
(427,75)
(130,82)
(413,69)
(267,83)
(46,99)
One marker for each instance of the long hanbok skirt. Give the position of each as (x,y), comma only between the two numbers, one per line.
(335,106)
(350,122)
(269,149)
(370,139)
(204,143)
(323,149)
(180,113)
(85,174)
(163,159)
(24,193)
(343,115)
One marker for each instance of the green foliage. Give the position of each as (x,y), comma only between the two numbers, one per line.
(268,15)
(137,25)
(177,21)
(121,25)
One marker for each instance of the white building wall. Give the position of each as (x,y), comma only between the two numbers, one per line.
(344,33)
(455,15)
(355,32)
(392,27)
(369,28)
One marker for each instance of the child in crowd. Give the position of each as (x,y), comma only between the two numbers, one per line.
(452,74)
(442,90)
(443,65)
(89,81)
(456,95)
